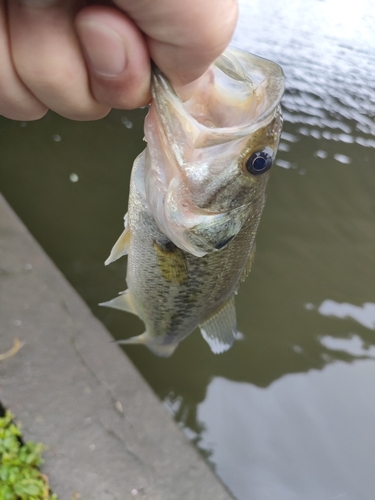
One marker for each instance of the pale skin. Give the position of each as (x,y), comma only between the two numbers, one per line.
(80,59)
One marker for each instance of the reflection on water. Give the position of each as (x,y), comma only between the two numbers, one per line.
(354,346)
(297,440)
(365,315)
(281,413)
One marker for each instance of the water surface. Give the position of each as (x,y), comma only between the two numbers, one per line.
(289,412)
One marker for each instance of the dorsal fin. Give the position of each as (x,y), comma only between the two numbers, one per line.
(124,302)
(121,247)
(220,330)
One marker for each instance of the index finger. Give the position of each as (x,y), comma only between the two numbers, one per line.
(184,37)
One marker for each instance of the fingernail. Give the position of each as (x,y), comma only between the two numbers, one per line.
(104,48)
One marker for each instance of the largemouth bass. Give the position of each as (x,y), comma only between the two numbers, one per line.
(196,197)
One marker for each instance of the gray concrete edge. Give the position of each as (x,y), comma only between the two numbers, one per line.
(108,435)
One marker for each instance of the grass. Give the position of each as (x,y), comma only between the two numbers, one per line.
(20,478)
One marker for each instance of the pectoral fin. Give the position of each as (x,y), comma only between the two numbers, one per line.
(216,231)
(248,264)
(123,302)
(163,350)
(220,330)
(121,247)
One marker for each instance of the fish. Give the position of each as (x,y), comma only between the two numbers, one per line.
(197,193)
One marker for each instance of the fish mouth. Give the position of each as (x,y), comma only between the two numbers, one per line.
(237,95)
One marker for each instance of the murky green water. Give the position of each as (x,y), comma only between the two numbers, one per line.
(289,412)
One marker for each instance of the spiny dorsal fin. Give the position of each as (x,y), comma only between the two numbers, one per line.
(121,247)
(248,264)
(220,330)
(124,302)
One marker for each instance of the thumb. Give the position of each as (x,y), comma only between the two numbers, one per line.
(116,55)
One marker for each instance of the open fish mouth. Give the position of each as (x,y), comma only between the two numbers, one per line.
(235,97)
(198,148)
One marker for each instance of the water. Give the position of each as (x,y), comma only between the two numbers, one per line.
(289,412)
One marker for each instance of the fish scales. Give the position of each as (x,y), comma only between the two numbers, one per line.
(177,305)
(196,197)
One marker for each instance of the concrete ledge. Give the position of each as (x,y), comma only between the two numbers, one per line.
(109,437)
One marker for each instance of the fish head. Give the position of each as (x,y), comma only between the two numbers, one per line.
(211,155)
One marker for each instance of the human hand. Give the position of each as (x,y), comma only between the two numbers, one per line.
(81,62)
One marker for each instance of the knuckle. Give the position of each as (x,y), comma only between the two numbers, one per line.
(48,78)
(66,92)
(23,109)
(22,115)
(94,113)
(16,100)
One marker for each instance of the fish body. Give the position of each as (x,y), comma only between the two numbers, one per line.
(197,193)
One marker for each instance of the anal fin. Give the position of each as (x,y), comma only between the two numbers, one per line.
(220,330)
(121,247)
(163,350)
(123,302)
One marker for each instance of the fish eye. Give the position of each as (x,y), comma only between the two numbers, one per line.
(258,163)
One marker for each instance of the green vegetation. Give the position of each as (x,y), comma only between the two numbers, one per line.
(20,478)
